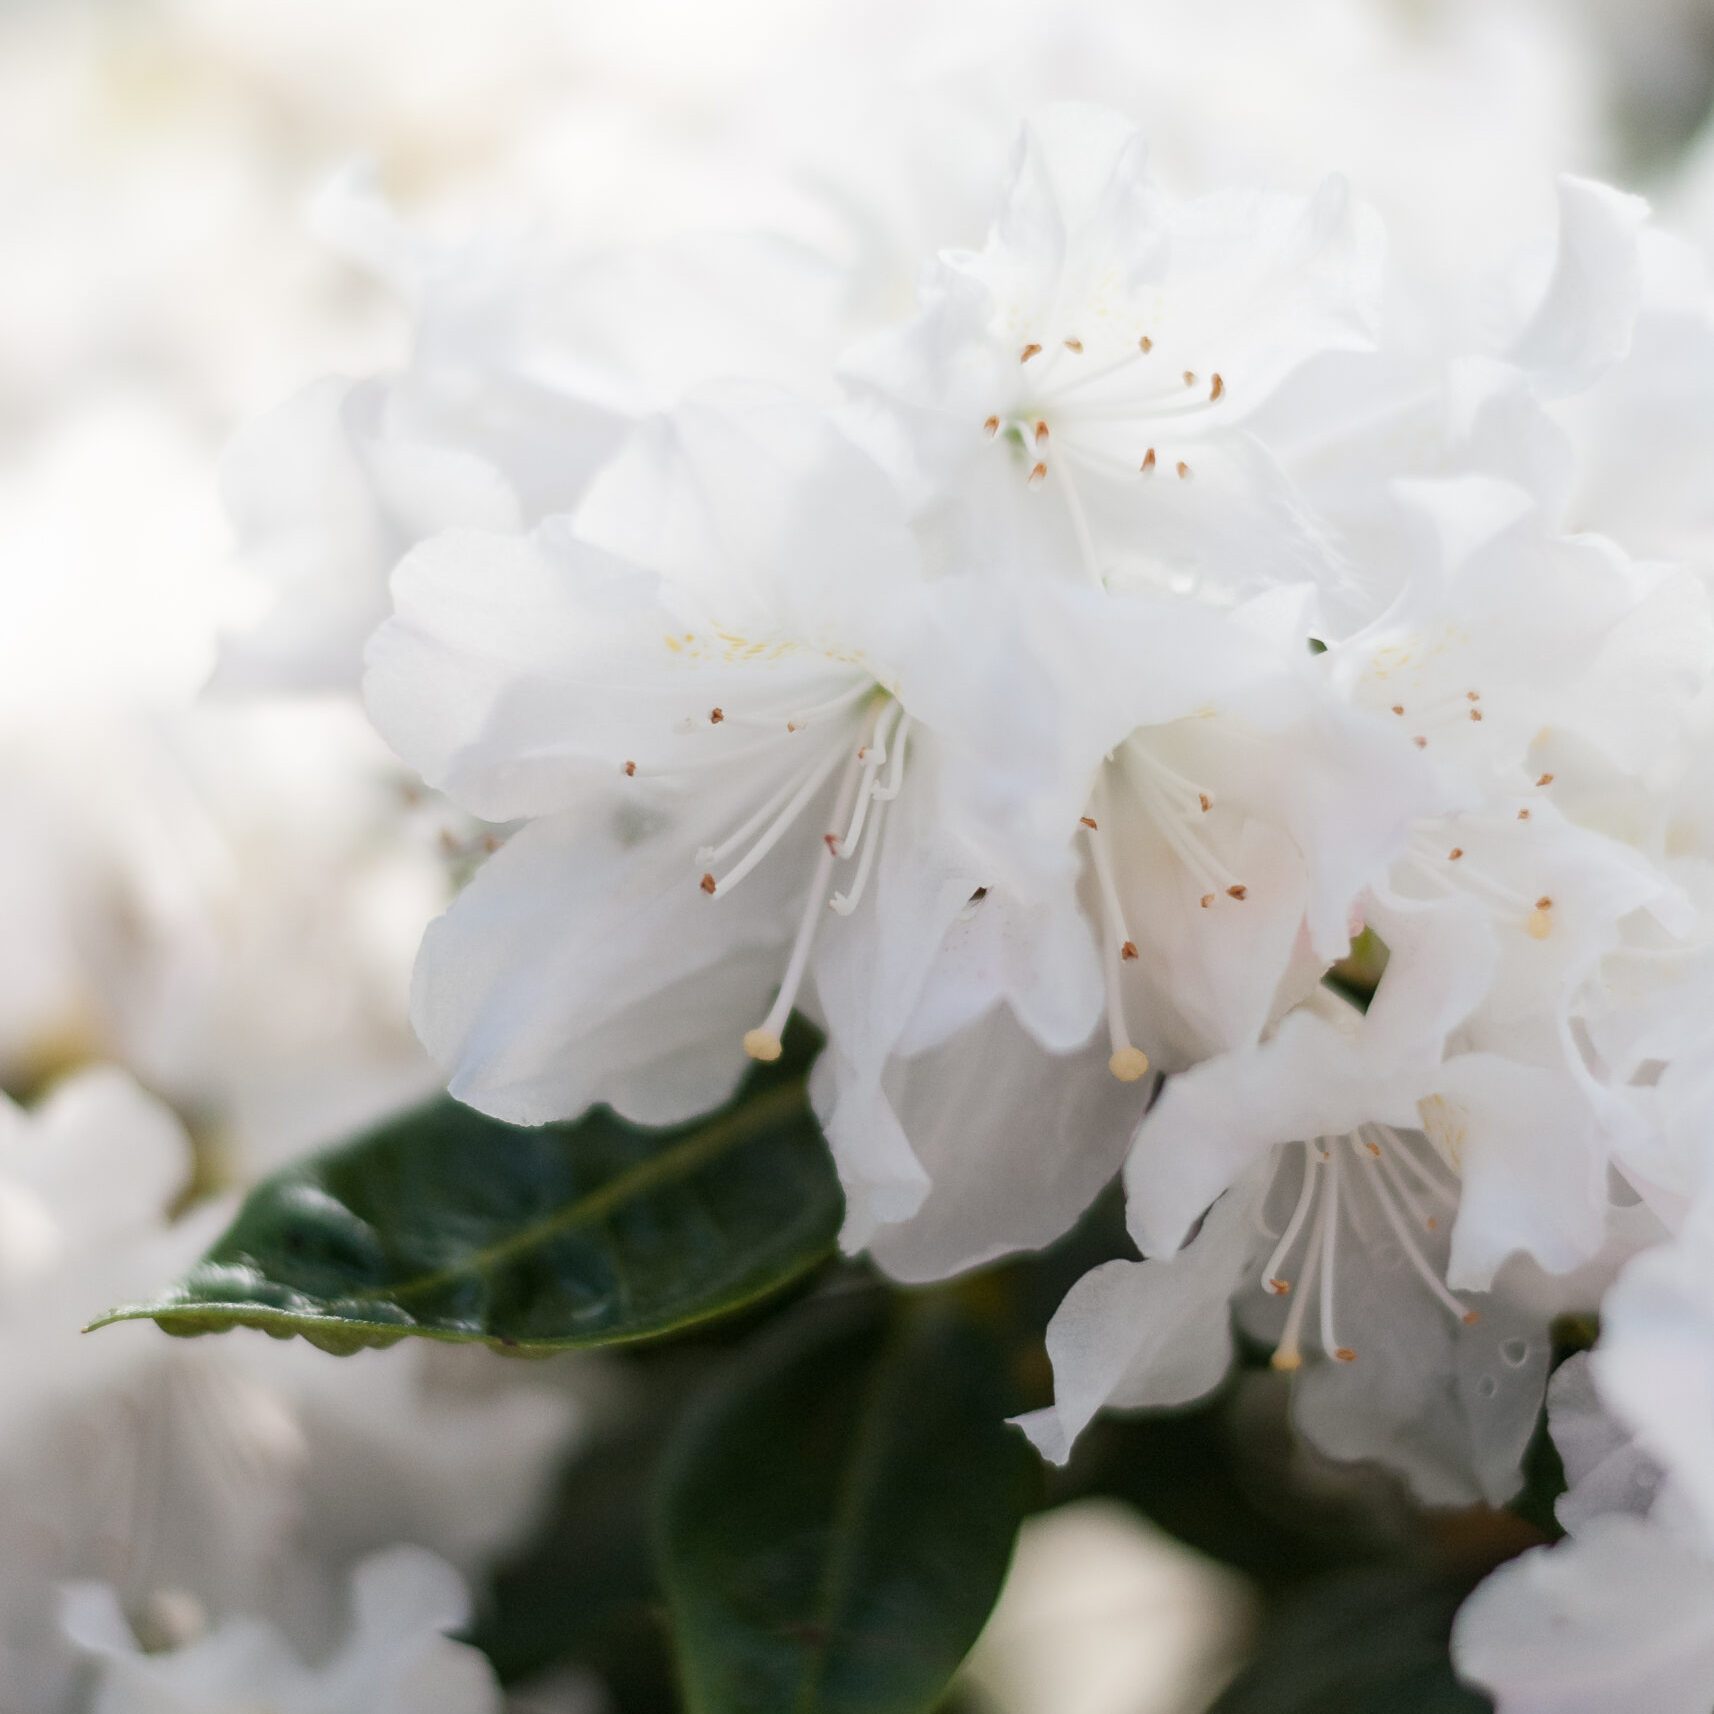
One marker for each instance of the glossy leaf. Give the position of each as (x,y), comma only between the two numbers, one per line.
(834,1525)
(448,1225)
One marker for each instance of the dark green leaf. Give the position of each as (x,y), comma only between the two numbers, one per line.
(835,1523)
(1370,1642)
(448,1225)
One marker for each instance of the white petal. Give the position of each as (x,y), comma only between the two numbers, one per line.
(584,963)
(1619,1617)
(1131,1334)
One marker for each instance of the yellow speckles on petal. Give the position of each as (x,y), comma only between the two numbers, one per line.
(1446,1126)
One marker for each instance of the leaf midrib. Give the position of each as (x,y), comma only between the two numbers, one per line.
(680,1158)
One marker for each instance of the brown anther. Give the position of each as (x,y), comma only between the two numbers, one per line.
(1145,345)
(1373,1148)
(1087,821)
(630,769)
(862,752)
(992,426)
(490,843)
(449,846)
(1345,1354)
(1075,346)
(1545,780)
(1148,463)
(1420,742)
(831,841)
(716,715)
(1470,1318)
(1432,1224)
(1041,433)
(1029,351)
(791,726)
(1523,815)
(1475,714)
(708,883)
(1038,476)
(1544,903)
(1215,388)
(1128,951)
(1455,853)
(1207,900)
(1183,470)
(1237,892)
(1206,801)
(1472,696)
(1398,708)
(1279,1287)
(1190,377)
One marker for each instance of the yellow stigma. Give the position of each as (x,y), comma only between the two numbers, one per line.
(1128,1064)
(763,1045)
(1286,1360)
(1538,925)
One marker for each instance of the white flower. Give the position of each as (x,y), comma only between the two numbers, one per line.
(205,1479)
(1619,1612)
(1372,1193)
(1110,348)
(531,362)
(398,1657)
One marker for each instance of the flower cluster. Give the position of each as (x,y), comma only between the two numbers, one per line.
(1176,702)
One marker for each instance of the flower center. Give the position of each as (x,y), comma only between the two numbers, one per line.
(1375,1168)
(869,755)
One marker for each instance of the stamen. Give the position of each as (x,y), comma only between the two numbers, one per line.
(1041,433)
(1273,1275)
(1288,1354)
(810,785)
(1183,471)
(1038,476)
(1029,351)
(1545,780)
(1145,345)
(1216,388)
(1127,1062)
(763,1042)
(1190,377)
(871,755)
(630,770)
(992,425)
(716,715)
(1384,1195)
(1074,346)
(1148,464)
(1329,1237)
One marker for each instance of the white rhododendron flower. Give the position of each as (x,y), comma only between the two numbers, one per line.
(397,1659)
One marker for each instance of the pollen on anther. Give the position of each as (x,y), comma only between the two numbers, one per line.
(1183,470)
(1029,351)
(1190,377)
(1128,951)
(1472,696)
(1279,1287)
(1038,476)
(1523,815)
(1373,1148)
(831,841)
(1345,1354)
(992,426)
(1145,345)
(1398,708)
(707,883)
(1148,464)
(1545,780)
(1475,714)
(1237,892)
(1128,1064)
(1455,853)
(1088,821)
(630,770)
(1207,900)
(1432,1224)
(1216,387)
(1041,433)
(1075,346)
(791,726)
(1470,1317)
(1420,742)
(716,715)
(1206,801)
